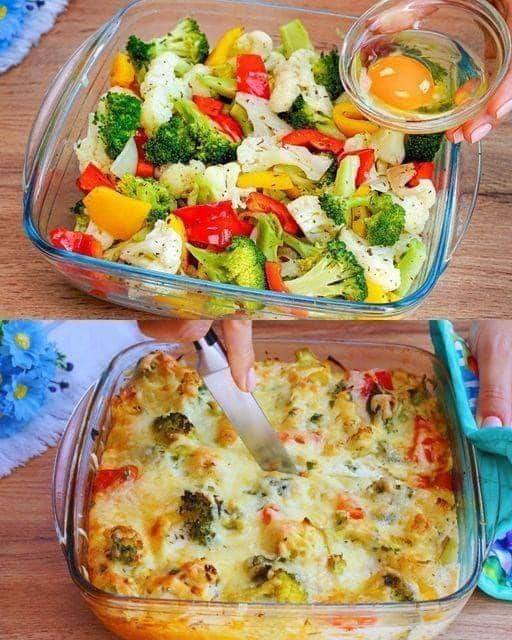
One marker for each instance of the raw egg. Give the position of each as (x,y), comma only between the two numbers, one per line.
(401,82)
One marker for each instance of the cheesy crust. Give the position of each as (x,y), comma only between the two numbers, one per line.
(181,510)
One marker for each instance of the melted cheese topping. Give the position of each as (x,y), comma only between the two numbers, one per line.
(371,518)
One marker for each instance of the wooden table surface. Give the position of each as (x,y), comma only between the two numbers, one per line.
(477,283)
(38,599)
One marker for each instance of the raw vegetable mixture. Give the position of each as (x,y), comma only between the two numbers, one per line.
(247,164)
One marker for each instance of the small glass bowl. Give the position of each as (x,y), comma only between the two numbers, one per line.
(475,24)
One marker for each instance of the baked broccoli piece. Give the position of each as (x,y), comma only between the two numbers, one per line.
(294,36)
(422,148)
(336,274)
(410,264)
(303,116)
(326,72)
(211,146)
(148,190)
(118,118)
(281,586)
(269,236)
(171,143)
(197,512)
(124,544)
(186,40)
(242,263)
(169,427)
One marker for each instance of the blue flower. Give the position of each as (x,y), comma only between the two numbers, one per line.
(12,17)
(24,341)
(26,395)
(6,370)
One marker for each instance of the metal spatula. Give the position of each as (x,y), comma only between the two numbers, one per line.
(244,413)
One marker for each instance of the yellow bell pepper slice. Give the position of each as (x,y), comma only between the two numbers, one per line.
(177,224)
(362,191)
(222,49)
(349,121)
(122,73)
(376,293)
(359,227)
(264,180)
(115,213)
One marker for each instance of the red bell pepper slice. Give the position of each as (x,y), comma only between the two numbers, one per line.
(214,110)
(93,177)
(208,106)
(145,169)
(77,242)
(252,76)
(314,139)
(261,202)
(106,478)
(367,160)
(424,171)
(140,138)
(429,448)
(274,278)
(372,382)
(213,224)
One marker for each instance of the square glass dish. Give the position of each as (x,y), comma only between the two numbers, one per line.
(51,170)
(138,618)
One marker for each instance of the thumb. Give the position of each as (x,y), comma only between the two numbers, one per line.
(493,350)
(238,341)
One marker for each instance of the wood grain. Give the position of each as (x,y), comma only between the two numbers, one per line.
(38,599)
(478,283)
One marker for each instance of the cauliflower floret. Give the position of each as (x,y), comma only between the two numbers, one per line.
(377,262)
(222,180)
(92,150)
(389,146)
(255,42)
(160,250)
(261,153)
(294,77)
(264,121)
(417,204)
(159,87)
(180,179)
(193,79)
(103,237)
(309,215)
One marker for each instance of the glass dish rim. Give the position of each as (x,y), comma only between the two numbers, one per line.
(443,122)
(326,305)
(96,395)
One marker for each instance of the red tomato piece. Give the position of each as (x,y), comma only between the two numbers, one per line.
(429,448)
(106,478)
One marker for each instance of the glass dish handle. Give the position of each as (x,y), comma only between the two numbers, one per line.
(466,186)
(65,461)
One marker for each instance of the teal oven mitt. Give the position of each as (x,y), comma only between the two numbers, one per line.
(494,455)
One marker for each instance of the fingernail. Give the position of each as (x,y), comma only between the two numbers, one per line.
(250,381)
(504,110)
(480,133)
(458,137)
(492,421)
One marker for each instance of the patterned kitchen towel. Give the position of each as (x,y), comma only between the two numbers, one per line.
(22,23)
(45,368)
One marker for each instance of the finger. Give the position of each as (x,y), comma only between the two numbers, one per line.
(493,352)
(238,341)
(403,16)
(500,105)
(175,330)
(477,129)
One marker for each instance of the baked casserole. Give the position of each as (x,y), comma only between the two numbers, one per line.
(180,510)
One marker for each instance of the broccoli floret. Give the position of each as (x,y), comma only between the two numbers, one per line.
(326,72)
(197,511)
(242,263)
(168,427)
(117,121)
(294,36)
(422,148)
(270,236)
(336,274)
(148,190)
(279,585)
(303,116)
(225,87)
(211,146)
(186,40)
(329,177)
(410,265)
(171,143)
(385,227)
(337,208)
(124,544)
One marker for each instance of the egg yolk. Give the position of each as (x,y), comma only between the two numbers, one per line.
(401,82)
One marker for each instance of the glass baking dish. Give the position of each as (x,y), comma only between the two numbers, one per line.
(51,170)
(153,619)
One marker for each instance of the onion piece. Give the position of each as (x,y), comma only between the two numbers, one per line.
(126,161)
